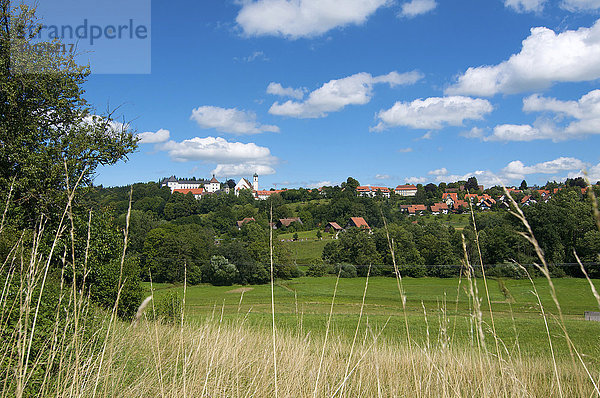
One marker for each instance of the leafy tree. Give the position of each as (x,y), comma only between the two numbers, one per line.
(472,185)
(48,131)
(523,186)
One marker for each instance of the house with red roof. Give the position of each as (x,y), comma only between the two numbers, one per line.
(439,208)
(371,192)
(197,192)
(333,227)
(286,222)
(264,195)
(244,221)
(358,222)
(416,209)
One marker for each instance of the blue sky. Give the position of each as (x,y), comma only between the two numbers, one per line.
(309,92)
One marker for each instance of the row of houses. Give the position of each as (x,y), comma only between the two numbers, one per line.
(371,191)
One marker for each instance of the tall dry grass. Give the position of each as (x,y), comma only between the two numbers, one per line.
(88,353)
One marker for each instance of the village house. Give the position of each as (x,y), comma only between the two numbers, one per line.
(416,209)
(358,222)
(333,227)
(406,190)
(197,192)
(244,221)
(439,208)
(286,222)
(371,192)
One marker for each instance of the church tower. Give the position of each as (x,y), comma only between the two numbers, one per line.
(255,182)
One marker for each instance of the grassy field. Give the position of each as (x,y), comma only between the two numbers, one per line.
(307,248)
(432,305)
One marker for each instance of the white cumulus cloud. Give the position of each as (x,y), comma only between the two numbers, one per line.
(439,172)
(546,57)
(415,180)
(232,158)
(580,5)
(525,5)
(149,137)
(382,177)
(570,119)
(277,89)
(417,7)
(303,18)
(230,120)
(517,170)
(433,113)
(336,94)
(242,169)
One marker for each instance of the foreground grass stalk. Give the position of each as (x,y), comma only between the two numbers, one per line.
(487,293)
(326,334)
(400,287)
(537,296)
(273,300)
(362,306)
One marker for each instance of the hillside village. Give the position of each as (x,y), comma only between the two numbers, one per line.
(455,199)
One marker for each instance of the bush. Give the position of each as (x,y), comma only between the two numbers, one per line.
(318,268)
(220,272)
(413,271)
(346,270)
(168,308)
(508,270)
(443,271)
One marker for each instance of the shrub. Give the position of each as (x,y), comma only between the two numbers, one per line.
(346,270)
(168,308)
(413,271)
(220,272)
(317,268)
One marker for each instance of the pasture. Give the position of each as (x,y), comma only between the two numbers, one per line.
(436,310)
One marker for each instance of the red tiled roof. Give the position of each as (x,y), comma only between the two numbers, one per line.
(415,208)
(334,225)
(244,221)
(439,206)
(452,195)
(359,222)
(267,193)
(195,191)
(214,180)
(287,221)
(405,188)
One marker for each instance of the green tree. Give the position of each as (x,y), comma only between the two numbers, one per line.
(472,185)
(523,185)
(48,131)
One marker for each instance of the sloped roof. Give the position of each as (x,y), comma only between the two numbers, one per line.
(287,221)
(194,191)
(408,187)
(214,180)
(244,221)
(359,222)
(334,225)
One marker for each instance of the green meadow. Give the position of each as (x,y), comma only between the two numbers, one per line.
(436,310)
